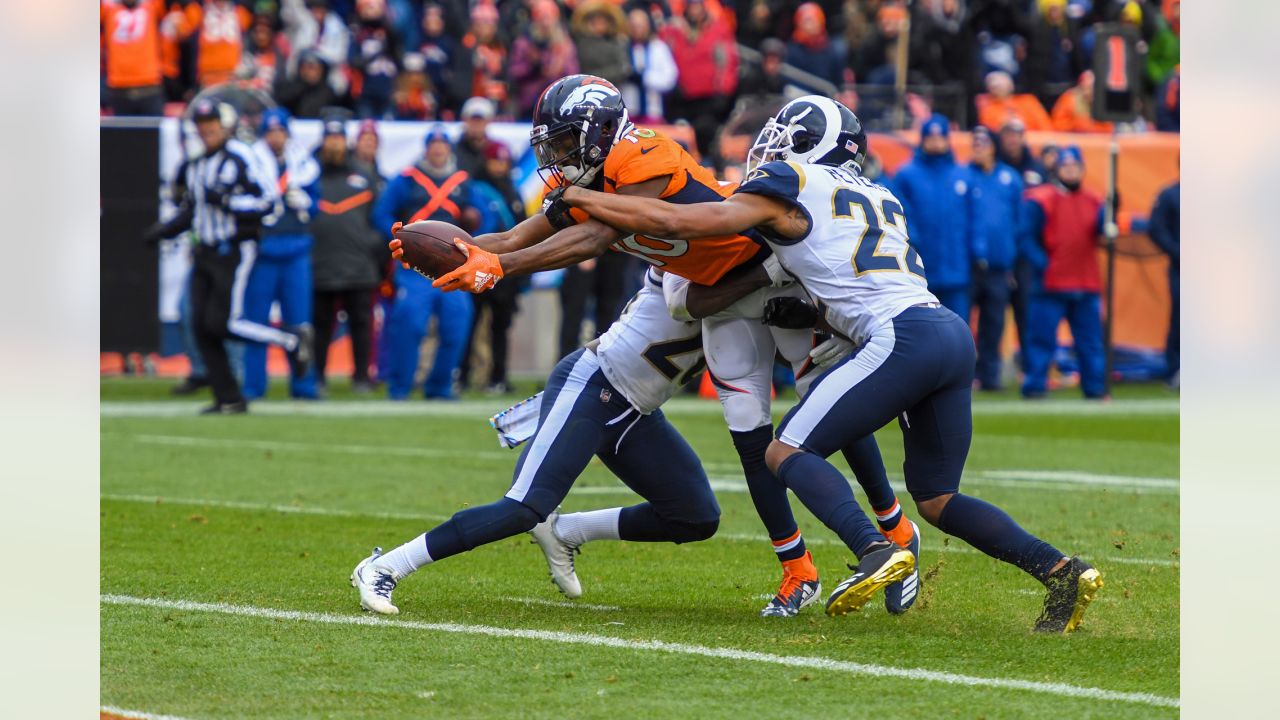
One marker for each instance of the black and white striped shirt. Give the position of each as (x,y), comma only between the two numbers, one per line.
(222,196)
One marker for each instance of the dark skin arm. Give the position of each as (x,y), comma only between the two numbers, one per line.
(738,213)
(579,242)
(707,300)
(527,232)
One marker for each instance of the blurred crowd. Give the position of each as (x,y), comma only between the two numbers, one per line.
(676,60)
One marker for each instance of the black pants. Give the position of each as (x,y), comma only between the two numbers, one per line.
(145,101)
(502,303)
(991,295)
(706,116)
(1024,281)
(213,287)
(358,302)
(605,283)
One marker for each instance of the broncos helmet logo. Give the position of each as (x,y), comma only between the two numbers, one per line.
(593,94)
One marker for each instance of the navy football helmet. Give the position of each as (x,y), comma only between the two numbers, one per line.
(811,130)
(575,124)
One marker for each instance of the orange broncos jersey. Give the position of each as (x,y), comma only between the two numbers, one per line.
(643,154)
(132,40)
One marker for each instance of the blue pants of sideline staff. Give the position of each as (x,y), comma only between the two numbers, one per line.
(1083,312)
(416,302)
(287,279)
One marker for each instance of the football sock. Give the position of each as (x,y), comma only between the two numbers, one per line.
(407,558)
(578,528)
(992,531)
(863,456)
(642,523)
(828,496)
(892,525)
(790,549)
(768,494)
(478,526)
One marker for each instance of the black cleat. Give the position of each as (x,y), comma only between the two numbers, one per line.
(876,570)
(240,407)
(303,355)
(189,386)
(1070,590)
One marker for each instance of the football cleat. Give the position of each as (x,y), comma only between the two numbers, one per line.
(303,355)
(876,570)
(800,587)
(1070,590)
(559,556)
(900,596)
(375,584)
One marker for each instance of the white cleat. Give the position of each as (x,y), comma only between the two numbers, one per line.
(559,556)
(375,584)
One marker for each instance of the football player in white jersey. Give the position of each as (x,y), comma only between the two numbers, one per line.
(600,401)
(844,238)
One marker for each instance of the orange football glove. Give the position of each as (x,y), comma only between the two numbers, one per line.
(397,249)
(481,271)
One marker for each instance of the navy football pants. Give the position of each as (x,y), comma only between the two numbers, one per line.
(584,416)
(917,368)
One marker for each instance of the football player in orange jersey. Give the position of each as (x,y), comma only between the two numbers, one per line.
(582,136)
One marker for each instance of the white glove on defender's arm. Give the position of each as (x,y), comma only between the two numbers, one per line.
(778,276)
(830,351)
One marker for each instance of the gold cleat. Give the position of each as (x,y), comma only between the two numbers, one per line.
(1070,590)
(875,571)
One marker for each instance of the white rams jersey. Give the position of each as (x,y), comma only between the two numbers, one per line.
(647,355)
(856,259)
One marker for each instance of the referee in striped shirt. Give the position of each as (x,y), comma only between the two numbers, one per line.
(224,199)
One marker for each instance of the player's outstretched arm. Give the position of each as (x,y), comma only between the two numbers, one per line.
(526,233)
(656,218)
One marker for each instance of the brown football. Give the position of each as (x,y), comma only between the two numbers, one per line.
(429,249)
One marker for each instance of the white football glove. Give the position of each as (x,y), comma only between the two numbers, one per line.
(297,199)
(830,351)
(778,276)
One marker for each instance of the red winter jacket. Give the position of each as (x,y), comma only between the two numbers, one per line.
(1061,237)
(707,61)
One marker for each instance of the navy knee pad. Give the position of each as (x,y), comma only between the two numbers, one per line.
(686,532)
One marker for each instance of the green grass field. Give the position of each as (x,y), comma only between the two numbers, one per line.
(227,541)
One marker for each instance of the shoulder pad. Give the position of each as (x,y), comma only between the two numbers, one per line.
(778,179)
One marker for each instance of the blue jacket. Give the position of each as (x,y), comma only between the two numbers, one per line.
(826,62)
(934,192)
(1163,227)
(286,230)
(995,212)
(495,215)
(404,196)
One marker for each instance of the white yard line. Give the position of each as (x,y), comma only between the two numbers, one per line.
(135,714)
(561,604)
(570,638)
(484,409)
(1037,479)
(237,505)
(729,537)
(1083,478)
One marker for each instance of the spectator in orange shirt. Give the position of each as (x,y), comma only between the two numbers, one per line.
(221,24)
(131,40)
(1073,110)
(999,103)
